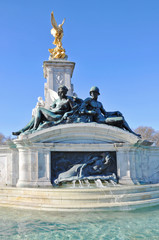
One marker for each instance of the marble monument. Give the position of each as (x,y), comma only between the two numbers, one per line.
(74,140)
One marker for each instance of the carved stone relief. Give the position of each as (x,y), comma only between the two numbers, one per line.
(69,166)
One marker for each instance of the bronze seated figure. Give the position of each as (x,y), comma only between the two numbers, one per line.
(68,109)
(93,111)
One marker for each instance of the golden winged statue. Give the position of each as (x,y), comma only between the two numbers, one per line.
(57,32)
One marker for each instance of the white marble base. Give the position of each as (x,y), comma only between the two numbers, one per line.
(9,165)
(26,162)
(110,198)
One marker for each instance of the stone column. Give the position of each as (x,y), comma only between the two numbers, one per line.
(28,167)
(44,168)
(57,72)
(126,165)
(34,165)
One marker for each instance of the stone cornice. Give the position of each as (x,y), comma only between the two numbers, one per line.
(91,133)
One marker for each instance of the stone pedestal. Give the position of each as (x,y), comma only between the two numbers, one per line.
(27,161)
(136,164)
(57,72)
(34,166)
(28,168)
(126,156)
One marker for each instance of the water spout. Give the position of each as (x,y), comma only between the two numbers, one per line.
(73,183)
(99,183)
(107,183)
(80,183)
(113,183)
(87,183)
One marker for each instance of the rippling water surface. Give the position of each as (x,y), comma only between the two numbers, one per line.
(124,225)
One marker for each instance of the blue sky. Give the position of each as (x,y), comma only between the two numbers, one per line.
(114,43)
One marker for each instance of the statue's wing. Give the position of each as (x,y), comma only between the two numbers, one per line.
(63,22)
(53,95)
(53,21)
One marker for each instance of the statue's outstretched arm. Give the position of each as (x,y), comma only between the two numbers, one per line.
(53,105)
(73,108)
(103,110)
(84,105)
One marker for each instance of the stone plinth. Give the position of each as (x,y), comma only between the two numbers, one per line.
(34,165)
(26,161)
(57,72)
(136,164)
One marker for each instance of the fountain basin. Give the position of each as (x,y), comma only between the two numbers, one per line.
(30,164)
(81,199)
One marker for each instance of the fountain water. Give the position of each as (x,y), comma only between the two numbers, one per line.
(73,183)
(98,183)
(80,184)
(87,183)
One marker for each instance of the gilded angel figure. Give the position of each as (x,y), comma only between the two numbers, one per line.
(57,32)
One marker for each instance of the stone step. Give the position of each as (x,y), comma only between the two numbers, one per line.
(97,196)
(76,199)
(119,189)
(83,207)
